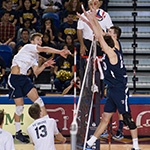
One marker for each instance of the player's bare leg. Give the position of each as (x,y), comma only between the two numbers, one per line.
(19,110)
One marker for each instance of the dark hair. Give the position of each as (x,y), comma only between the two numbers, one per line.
(24,29)
(23,6)
(1,116)
(70,13)
(5,12)
(71,36)
(32,37)
(108,39)
(117,31)
(43,27)
(34,111)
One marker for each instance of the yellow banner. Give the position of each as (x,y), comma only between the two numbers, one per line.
(8,125)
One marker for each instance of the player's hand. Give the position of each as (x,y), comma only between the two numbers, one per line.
(83,50)
(64,140)
(50,63)
(64,53)
(90,16)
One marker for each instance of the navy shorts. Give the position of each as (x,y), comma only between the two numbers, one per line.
(19,86)
(117,98)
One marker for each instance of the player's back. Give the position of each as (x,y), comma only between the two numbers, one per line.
(6,140)
(42,132)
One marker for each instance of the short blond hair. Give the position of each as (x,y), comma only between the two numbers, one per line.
(32,37)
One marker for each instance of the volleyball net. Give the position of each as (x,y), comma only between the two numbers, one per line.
(84,122)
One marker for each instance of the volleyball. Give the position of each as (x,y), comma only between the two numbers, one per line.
(101,14)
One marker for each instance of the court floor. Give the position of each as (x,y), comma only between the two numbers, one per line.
(103,147)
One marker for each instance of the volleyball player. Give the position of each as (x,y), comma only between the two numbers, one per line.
(43,129)
(19,83)
(6,139)
(115,78)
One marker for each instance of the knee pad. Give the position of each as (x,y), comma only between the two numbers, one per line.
(19,110)
(128,121)
(40,102)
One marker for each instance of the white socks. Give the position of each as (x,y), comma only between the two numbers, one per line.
(91,141)
(17,125)
(135,144)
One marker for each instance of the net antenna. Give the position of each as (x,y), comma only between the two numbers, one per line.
(74,125)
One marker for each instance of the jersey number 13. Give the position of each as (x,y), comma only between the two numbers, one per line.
(41,131)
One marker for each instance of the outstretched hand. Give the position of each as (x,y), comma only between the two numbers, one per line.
(91,21)
(64,53)
(50,63)
(90,16)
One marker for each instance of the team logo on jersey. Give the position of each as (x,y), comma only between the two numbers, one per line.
(100,15)
(122,101)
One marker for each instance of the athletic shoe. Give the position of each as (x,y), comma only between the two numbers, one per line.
(22,138)
(134,149)
(104,134)
(118,136)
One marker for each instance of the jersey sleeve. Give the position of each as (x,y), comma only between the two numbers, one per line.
(80,25)
(108,22)
(55,128)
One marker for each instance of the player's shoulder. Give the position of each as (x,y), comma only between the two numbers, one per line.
(5,133)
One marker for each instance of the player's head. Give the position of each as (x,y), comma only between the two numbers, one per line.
(1,116)
(36,38)
(115,31)
(93,3)
(34,111)
(110,42)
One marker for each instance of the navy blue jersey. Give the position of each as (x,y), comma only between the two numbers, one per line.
(114,75)
(120,48)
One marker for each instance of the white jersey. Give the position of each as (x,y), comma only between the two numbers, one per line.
(103,19)
(26,58)
(6,140)
(42,132)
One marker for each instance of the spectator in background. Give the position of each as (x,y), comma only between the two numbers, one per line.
(7,31)
(6,139)
(51,6)
(74,6)
(27,25)
(48,27)
(28,13)
(2,70)
(24,39)
(69,27)
(17,5)
(63,71)
(69,41)
(13,14)
(35,4)
(70,88)
(1,4)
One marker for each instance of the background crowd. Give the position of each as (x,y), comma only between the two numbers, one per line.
(55,19)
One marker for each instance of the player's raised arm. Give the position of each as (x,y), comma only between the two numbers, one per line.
(47,49)
(98,32)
